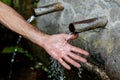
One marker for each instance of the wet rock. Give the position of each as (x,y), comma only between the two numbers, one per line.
(105,43)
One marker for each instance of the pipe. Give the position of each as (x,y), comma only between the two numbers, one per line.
(89,24)
(96,70)
(42,10)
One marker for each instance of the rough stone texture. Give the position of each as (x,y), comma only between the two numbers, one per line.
(105,43)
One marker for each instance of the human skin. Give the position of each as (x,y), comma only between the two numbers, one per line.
(56,45)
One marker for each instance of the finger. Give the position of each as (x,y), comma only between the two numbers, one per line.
(69,60)
(74,36)
(75,49)
(77,57)
(64,64)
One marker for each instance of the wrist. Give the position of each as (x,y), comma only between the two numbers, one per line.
(42,39)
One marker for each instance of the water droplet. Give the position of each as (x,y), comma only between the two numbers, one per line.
(56,70)
(80,72)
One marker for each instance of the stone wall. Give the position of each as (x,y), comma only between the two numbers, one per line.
(102,42)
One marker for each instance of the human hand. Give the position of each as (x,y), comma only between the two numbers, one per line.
(58,47)
(55,45)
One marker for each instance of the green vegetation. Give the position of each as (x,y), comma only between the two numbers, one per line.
(7,1)
(24,8)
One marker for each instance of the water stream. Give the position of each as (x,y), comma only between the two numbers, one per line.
(13,57)
(16,49)
(56,70)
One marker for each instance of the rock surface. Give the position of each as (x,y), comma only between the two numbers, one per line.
(103,42)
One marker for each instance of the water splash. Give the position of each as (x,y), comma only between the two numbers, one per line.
(56,70)
(80,72)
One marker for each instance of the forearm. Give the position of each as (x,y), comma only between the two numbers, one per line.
(12,20)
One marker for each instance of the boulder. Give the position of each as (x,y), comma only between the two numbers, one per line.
(102,44)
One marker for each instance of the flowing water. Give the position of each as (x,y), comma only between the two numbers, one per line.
(16,49)
(56,70)
(13,57)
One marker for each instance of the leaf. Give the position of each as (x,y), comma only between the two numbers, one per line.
(11,50)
